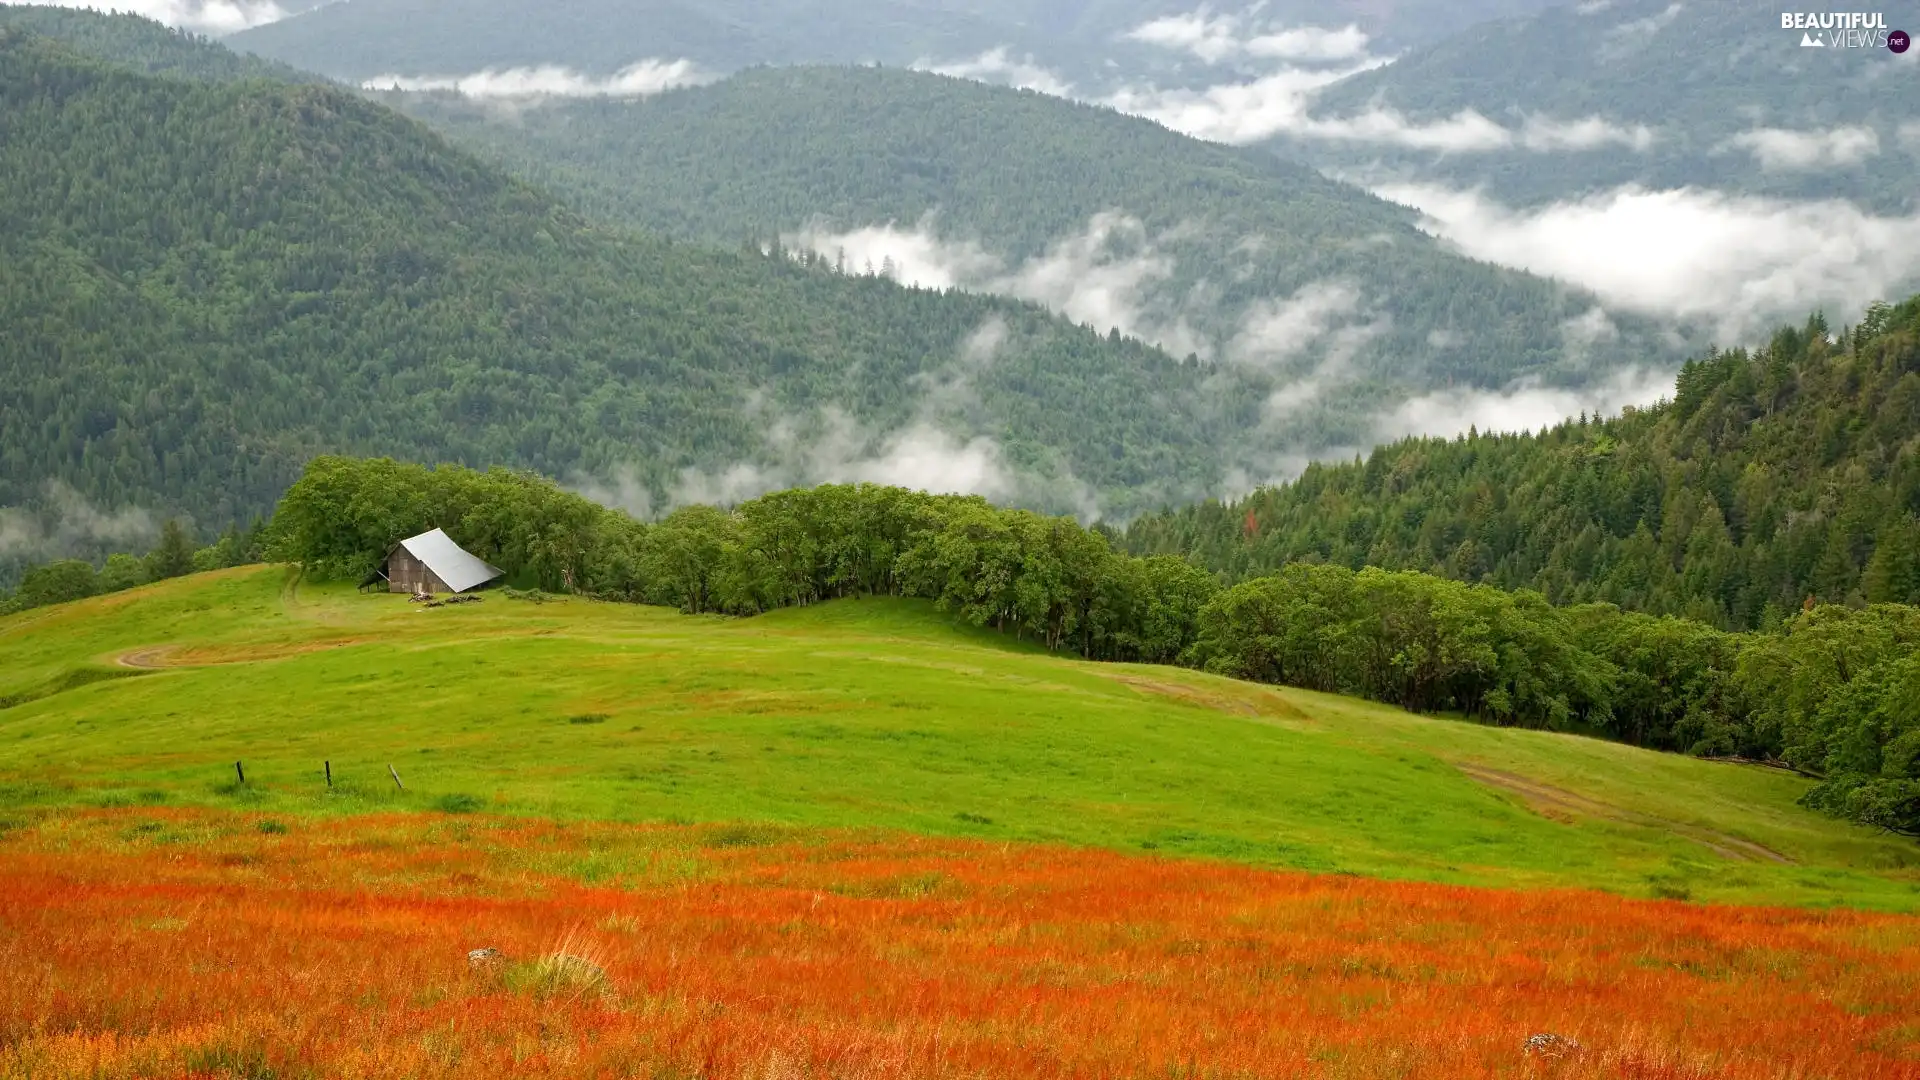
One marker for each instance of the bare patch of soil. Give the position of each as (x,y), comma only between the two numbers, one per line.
(164,657)
(152,659)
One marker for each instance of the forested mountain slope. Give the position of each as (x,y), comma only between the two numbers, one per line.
(1725,97)
(1788,473)
(203,285)
(144,45)
(1321,308)
(1324,304)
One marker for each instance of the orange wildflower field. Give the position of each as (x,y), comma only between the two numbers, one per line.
(161,943)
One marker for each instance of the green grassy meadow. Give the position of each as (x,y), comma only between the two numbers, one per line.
(860,714)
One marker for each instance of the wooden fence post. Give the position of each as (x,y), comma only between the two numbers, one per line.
(240,771)
(396,778)
(329,767)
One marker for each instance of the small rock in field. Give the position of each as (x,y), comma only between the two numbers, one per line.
(480,959)
(1549,1045)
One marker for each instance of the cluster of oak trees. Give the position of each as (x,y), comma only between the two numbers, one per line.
(1833,691)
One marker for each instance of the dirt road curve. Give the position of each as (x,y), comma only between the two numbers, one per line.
(153,658)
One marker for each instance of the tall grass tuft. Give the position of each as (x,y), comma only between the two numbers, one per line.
(573,971)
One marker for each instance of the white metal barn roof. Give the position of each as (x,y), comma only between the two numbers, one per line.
(451,563)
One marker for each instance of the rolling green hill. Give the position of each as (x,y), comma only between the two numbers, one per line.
(1323,305)
(1714,85)
(1771,477)
(875,712)
(204,284)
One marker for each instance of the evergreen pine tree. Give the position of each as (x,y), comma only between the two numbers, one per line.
(1893,573)
(1835,575)
(172,557)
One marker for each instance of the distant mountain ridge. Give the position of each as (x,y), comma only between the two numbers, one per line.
(368,38)
(1696,94)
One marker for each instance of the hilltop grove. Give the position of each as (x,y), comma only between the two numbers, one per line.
(1834,691)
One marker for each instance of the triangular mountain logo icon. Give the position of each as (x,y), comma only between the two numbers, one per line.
(1807,42)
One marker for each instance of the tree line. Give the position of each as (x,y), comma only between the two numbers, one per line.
(1833,691)
(175,554)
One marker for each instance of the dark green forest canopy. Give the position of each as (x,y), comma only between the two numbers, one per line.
(204,285)
(1231,233)
(1788,473)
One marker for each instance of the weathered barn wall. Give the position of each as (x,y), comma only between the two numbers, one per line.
(406,574)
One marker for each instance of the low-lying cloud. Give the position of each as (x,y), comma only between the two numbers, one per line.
(1216,38)
(1276,331)
(1744,263)
(215,17)
(1648,26)
(1523,407)
(1308,59)
(1104,277)
(999,66)
(624,490)
(1234,113)
(832,448)
(1327,318)
(1282,103)
(1304,60)
(67,523)
(930,451)
(1590,133)
(1785,150)
(643,79)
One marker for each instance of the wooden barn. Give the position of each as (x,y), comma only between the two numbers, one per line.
(431,564)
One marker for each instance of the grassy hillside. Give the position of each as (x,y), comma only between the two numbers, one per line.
(1699,77)
(856,714)
(1322,304)
(202,285)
